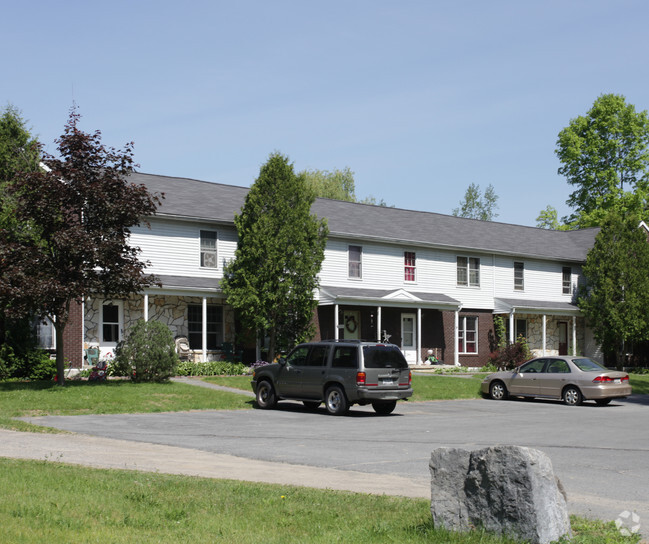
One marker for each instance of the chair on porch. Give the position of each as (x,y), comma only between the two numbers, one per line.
(92,356)
(182,348)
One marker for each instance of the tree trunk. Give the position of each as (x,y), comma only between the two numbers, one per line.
(59,326)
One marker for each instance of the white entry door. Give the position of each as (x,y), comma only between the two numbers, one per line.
(352,325)
(409,338)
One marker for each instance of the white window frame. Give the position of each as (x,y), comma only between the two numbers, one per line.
(519,282)
(355,266)
(208,251)
(462,335)
(198,308)
(468,267)
(566,285)
(409,267)
(120,322)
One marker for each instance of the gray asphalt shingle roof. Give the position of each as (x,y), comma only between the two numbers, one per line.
(193,199)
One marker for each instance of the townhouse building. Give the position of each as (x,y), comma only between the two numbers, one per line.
(427,282)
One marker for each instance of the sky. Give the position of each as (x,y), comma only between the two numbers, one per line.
(418,98)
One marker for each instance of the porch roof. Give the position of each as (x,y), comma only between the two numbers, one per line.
(518,305)
(189,283)
(386,297)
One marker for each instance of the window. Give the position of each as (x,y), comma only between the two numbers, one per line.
(214,326)
(345,357)
(355,256)
(567,280)
(520,329)
(110,320)
(299,356)
(208,249)
(409,260)
(519,282)
(468,271)
(43,330)
(468,335)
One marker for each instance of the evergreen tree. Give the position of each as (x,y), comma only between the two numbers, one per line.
(271,281)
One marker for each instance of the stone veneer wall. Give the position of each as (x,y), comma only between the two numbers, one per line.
(535,334)
(168,309)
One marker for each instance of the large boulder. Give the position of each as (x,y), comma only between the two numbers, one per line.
(507,490)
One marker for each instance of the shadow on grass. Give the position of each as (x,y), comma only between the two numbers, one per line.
(44,385)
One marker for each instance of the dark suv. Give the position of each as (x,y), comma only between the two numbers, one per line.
(338,373)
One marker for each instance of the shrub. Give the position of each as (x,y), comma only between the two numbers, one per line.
(148,354)
(212,368)
(510,356)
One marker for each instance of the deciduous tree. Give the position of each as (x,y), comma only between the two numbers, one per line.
(338,185)
(477,205)
(74,219)
(271,281)
(605,155)
(615,298)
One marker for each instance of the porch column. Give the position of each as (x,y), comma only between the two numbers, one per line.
(146,307)
(574,335)
(545,327)
(512,331)
(418,336)
(378,324)
(204,329)
(456,336)
(336,333)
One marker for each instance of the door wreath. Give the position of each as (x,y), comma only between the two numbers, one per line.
(350,324)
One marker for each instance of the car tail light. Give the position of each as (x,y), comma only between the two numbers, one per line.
(360,378)
(625,378)
(409,379)
(602,379)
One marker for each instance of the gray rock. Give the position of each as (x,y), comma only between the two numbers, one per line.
(507,490)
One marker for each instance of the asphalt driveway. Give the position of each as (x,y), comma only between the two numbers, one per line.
(599,453)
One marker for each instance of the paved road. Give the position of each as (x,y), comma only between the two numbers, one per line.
(599,453)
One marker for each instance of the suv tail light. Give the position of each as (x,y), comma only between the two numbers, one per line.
(360,378)
(409,379)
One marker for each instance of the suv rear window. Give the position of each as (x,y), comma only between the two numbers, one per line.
(383,357)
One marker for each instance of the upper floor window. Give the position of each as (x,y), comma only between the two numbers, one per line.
(519,283)
(468,271)
(468,335)
(567,280)
(409,261)
(208,249)
(355,259)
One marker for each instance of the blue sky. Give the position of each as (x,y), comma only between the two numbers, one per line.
(418,98)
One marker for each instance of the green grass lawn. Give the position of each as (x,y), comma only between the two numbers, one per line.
(639,383)
(113,397)
(56,503)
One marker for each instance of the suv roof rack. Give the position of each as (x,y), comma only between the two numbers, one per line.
(355,341)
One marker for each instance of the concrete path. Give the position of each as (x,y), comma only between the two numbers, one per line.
(99,452)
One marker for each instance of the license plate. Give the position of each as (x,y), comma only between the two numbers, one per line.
(385,381)
(618,380)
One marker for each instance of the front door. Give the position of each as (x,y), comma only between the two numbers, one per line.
(352,325)
(409,338)
(563,338)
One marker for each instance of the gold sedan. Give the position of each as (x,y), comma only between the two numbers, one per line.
(571,379)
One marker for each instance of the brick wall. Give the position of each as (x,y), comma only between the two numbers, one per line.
(73,336)
(485,332)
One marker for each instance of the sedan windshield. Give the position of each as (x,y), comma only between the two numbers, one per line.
(588,365)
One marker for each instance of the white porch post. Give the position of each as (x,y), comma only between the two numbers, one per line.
(204,329)
(512,331)
(456,334)
(574,335)
(336,333)
(146,307)
(418,336)
(545,328)
(378,324)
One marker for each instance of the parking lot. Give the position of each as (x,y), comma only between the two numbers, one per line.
(599,453)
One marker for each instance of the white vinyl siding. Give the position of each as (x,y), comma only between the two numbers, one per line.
(173,247)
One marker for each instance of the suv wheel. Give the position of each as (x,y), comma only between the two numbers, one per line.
(266,397)
(384,408)
(336,401)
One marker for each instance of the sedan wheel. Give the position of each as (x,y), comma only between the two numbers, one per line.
(336,401)
(266,397)
(572,396)
(498,391)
